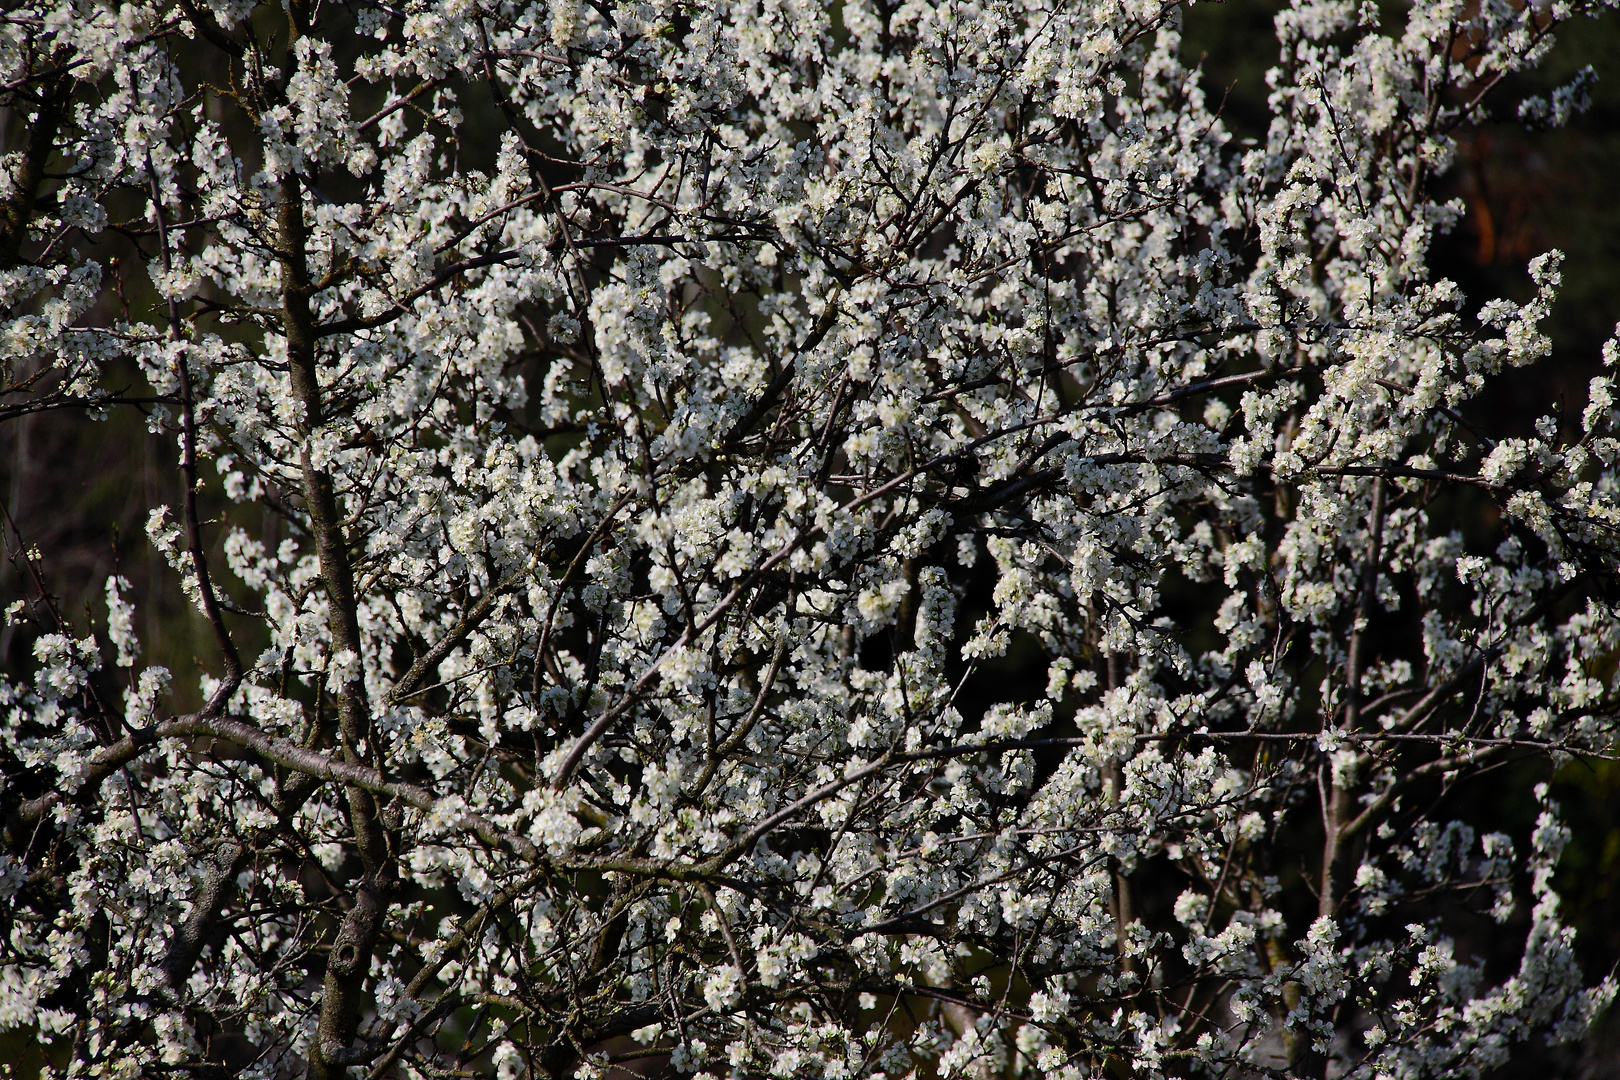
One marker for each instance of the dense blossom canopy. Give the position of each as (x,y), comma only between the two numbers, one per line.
(676,420)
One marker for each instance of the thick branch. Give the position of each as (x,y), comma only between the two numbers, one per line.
(1336,799)
(346,973)
(756,412)
(216,888)
(17,212)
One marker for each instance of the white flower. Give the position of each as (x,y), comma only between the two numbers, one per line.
(723,988)
(749,518)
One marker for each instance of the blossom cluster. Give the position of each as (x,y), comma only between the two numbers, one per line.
(671,421)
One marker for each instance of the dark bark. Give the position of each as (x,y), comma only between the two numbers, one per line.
(17,212)
(350,958)
(218,884)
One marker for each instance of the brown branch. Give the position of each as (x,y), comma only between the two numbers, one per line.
(206,26)
(17,212)
(218,882)
(408,683)
(350,959)
(1336,799)
(188,471)
(403,305)
(756,412)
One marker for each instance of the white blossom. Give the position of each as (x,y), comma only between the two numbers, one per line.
(679,420)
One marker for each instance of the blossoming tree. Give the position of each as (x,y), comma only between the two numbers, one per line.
(669,414)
